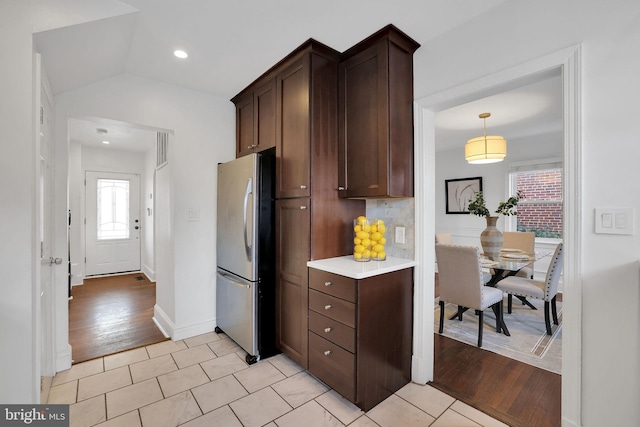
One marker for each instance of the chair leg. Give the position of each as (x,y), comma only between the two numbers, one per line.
(554,310)
(547,321)
(441,317)
(496,311)
(480,321)
(509,303)
(460,311)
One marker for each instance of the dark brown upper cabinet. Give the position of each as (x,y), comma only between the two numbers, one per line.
(375,89)
(256,118)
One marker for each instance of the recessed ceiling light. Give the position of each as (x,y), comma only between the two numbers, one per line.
(106,142)
(101,131)
(180,54)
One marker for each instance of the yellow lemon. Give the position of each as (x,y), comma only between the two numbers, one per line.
(357,255)
(362,235)
(382,241)
(380,222)
(378,248)
(357,228)
(381,228)
(374,254)
(361,219)
(366,227)
(374,229)
(382,255)
(367,253)
(366,243)
(359,249)
(356,241)
(376,236)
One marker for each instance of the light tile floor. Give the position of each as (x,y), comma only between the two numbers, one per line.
(204,381)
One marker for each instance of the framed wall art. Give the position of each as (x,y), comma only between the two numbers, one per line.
(459,192)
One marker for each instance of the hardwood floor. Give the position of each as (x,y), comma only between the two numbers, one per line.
(513,392)
(111,314)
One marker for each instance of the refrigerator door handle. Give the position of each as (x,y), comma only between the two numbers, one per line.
(231,279)
(248,191)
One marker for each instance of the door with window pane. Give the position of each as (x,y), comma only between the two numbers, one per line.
(112,232)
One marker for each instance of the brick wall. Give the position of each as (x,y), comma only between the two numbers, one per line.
(544,218)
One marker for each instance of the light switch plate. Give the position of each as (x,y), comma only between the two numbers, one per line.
(614,220)
(400,235)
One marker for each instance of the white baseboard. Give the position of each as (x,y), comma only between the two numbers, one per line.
(63,360)
(149,272)
(180,332)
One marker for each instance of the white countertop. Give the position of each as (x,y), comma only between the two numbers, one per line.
(347,266)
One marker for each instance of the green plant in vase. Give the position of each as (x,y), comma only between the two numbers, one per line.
(491,238)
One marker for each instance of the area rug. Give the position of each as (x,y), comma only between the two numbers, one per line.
(528,343)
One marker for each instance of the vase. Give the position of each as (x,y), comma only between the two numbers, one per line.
(491,238)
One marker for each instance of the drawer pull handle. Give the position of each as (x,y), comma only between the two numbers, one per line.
(303,187)
(328,283)
(327,307)
(340,188)
(327,330)
(303,208)
(328,352)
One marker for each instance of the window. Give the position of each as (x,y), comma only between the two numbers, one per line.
(540,208)
(113,209)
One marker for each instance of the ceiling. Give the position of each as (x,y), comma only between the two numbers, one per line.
(230,44)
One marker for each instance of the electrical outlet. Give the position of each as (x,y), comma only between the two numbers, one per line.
(400,235)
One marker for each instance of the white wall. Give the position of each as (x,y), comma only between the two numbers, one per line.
(609,32)
(203,129)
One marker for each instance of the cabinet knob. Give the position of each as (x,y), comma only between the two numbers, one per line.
(251,147)
(328,283)
(303,208)
(327,307)
(303,187)
(327,330)
(340,188)
(328,352)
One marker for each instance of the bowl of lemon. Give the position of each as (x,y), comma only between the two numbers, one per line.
(368,239)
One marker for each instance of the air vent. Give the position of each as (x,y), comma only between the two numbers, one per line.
(162,149)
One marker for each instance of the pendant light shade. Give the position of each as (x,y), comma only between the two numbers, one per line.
(485,149)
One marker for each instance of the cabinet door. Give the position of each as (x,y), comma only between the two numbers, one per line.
(292,294)
(264,99)
(292,130)
(244,124)
(364,123)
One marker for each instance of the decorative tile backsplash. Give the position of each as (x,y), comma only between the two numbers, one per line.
(396,213)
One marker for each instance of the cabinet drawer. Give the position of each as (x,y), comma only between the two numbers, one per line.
(332,307)
(333,365)
(333,331)
(333,284)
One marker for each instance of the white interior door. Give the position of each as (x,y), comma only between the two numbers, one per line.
(112,208)
(45,232)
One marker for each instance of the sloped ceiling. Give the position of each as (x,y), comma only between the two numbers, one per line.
(231,43)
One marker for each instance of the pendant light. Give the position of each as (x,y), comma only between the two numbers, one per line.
(485,149)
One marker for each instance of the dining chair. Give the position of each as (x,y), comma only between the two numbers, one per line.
(444,239)
(524,241)
(461,283)
(545,290)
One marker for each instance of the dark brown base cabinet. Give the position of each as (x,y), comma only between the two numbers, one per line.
(360,333)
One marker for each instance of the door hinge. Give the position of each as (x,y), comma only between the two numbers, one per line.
(41,115)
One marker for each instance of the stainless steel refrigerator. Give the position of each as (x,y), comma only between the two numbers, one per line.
(245,279)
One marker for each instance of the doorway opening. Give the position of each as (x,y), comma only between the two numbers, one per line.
(112,198)
(568,61)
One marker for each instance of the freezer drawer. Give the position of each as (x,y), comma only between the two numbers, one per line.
(236,310)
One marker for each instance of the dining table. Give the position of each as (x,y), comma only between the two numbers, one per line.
(508,263)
